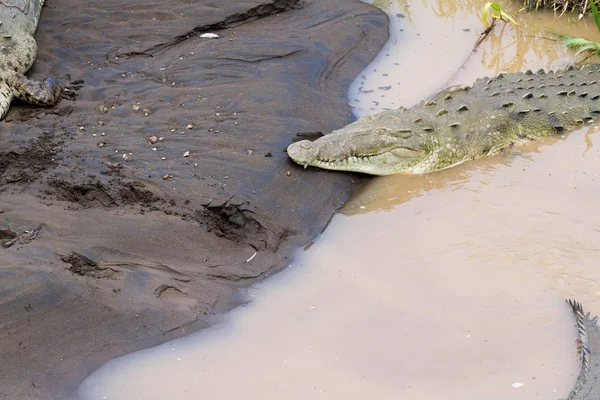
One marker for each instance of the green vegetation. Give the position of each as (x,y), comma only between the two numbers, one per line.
(495,12)
(580,6)
(581,45)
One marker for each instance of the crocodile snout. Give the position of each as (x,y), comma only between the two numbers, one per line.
(303,152)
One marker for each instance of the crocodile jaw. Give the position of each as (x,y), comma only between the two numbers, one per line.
(391,158)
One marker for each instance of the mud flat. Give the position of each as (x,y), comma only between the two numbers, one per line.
(447,285)
(136,208)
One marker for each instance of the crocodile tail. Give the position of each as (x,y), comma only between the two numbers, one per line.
(588,381)
(6,96)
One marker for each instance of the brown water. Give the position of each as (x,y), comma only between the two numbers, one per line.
(430,42)
(447,285)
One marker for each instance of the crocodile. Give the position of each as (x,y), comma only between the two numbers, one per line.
(459,123)
(18,48)
(587,386)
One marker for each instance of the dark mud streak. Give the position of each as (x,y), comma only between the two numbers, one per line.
(93,192)
(259,59)
(163,288)
(25,164)
(81,265)
(261,11)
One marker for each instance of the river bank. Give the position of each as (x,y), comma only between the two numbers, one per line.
(141,241)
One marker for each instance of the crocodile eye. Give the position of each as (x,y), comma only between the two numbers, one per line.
(382,131)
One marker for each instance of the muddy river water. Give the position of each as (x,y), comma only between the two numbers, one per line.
(446,285)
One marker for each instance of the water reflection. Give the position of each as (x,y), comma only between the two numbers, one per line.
(386,193)
(439,37)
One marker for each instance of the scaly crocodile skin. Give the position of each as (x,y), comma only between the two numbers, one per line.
(459,124)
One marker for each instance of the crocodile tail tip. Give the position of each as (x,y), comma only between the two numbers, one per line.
(575,305)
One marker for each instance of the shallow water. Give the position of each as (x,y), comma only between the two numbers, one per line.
(446,285)
(430,48)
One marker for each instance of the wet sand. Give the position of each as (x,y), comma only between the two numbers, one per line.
(446,285)
(453,291)
(122,242)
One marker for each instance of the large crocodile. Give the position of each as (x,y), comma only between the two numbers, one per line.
(18,48)
(460,123)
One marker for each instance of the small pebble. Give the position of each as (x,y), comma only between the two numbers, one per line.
(153,139)
(517,385)
(186,154)
(125,157)
(135,107)
(190,126)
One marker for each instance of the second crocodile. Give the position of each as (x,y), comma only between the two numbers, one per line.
(18,48)
(587,386)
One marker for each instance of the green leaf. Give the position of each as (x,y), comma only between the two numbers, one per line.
(495,11)
(595,13)
(592,46)
(508,17)
(574,42)
(484,14)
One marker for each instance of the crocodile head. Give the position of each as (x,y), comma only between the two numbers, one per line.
(361,147)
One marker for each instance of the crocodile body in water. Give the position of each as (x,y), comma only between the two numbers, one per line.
(459,124)
(18,48)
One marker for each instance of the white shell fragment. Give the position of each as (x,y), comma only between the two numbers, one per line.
(209,36)
(517,385)
(253,255)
